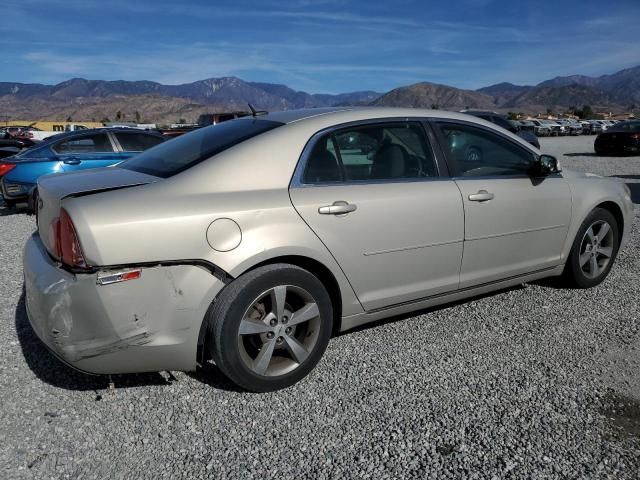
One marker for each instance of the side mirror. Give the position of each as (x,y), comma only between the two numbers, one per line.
(546,165)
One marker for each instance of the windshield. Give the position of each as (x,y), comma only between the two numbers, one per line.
(175,156)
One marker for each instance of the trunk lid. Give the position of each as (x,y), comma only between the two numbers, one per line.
(52,189)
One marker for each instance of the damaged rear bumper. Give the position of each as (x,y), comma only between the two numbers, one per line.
(148,324)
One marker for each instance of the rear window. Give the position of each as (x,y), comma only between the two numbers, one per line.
(177,155)
(137,142)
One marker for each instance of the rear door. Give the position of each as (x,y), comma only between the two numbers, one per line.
(86,151)
(374,195)
(514,223)
(132,143)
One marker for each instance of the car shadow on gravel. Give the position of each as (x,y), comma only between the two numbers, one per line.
(583,154)
(426,311)
(52,371)
(20,208)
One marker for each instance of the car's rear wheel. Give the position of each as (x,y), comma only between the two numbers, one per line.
(594,250)
(270,327)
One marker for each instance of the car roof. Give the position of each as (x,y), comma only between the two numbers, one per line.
(317,119)
(336,115)
(90,131)
(480,112)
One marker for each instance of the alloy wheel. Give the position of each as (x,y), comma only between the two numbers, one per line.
(596,249)
(279,330)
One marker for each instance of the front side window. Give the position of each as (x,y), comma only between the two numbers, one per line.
(98,143)
(479,152)
(392,151)
(137,142)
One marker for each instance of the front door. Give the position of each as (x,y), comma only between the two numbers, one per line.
(514,223)
(373,195)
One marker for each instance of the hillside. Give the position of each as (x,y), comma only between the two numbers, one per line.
(152,108)
(83,99)
(503,92)
(542,97)
(430,95)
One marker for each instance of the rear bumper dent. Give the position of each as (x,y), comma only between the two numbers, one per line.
(148,324)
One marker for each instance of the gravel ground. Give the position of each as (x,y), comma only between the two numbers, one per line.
(532,382)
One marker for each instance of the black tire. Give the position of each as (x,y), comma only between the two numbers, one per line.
(10,203)
(227,311)
(574,275)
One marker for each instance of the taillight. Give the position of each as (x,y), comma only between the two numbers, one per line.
(64,241)
(635,136)
(6,168)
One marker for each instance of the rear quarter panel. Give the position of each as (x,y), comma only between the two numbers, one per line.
(30,171)
(149,224)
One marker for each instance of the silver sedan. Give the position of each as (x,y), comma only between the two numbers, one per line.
(249,243)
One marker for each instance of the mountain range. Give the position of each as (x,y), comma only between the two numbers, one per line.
(82,99)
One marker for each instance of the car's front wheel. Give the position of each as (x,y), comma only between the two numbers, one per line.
(594,250)
(270,327)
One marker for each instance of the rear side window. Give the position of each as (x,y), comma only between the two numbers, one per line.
(137,142)
(478,152)
(98,143)
(370,152)
(179,154)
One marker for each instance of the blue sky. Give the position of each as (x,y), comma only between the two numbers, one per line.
(317,46)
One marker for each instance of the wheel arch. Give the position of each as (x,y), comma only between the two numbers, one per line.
(616,211)
(315,267)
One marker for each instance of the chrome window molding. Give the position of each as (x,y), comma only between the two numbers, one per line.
(441,168)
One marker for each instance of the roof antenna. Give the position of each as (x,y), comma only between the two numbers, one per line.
(255,113)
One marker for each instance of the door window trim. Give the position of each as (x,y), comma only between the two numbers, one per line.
(120,148)
(78,137)
(453,165)
(432,144)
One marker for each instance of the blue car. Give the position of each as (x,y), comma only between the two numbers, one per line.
(68,152)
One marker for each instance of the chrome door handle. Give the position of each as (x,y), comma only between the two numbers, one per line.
(71,161)
(481,196)
(338,208)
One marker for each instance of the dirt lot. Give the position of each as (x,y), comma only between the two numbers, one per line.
(531,382)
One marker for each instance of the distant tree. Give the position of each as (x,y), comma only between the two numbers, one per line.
(69,119)
(512,115)
(105,120)
(93,119)
(182,120)
(435,106)
(549,111)
(137,114)
(587,112)
(118,115)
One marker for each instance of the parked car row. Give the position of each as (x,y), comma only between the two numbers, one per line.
(565,126)
(67,152)
(509,125)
